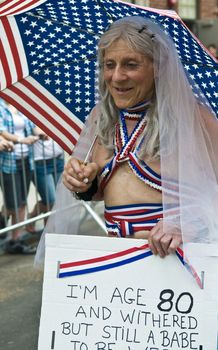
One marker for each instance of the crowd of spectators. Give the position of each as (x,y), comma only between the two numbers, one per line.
(27,155)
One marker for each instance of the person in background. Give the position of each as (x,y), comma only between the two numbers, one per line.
(49,165)
(16,168)
(213,50)
(6,146)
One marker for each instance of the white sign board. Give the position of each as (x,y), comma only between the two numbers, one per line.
(113,294)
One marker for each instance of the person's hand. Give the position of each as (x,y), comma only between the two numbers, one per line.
(40,133)
(164,243)
(42,136)
(29,140)
(77,176)
(5,145)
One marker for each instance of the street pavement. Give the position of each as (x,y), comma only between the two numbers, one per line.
(20,297)
(20,302)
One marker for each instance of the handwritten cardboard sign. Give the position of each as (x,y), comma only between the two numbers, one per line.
(113,294)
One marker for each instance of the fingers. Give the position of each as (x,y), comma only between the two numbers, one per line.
(43,137)
(90,171)
(75,167)
(29,139)
(78,176)
(153,238)
(162,243)
(175,243)
(10,146)
(7,146)
(155,243)
(73,176)
(75,185)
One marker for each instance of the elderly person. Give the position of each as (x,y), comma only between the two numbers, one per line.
(152,159)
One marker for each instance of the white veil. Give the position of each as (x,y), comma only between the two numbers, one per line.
(67,210)
(188,131)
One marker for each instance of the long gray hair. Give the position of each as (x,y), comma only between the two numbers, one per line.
(134,31)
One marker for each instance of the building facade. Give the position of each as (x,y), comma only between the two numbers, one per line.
(200,8)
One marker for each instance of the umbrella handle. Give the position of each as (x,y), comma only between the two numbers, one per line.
(90,150)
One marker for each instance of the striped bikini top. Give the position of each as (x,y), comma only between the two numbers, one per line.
(126,149)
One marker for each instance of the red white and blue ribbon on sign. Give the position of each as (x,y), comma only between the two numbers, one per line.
(114,260)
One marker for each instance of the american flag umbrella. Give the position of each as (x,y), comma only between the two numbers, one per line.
(48,59)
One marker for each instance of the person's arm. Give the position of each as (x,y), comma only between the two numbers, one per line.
(18,139)
(40,133)
(6,145)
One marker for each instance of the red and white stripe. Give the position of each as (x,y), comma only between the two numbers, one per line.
(40,106)
(101,262)
(30,97)
(13,63)
(128,219)
(14,7)
(146,172)
(130,144)
(125,220)
(134,215)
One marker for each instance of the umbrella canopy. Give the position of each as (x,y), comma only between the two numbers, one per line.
(48,59)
